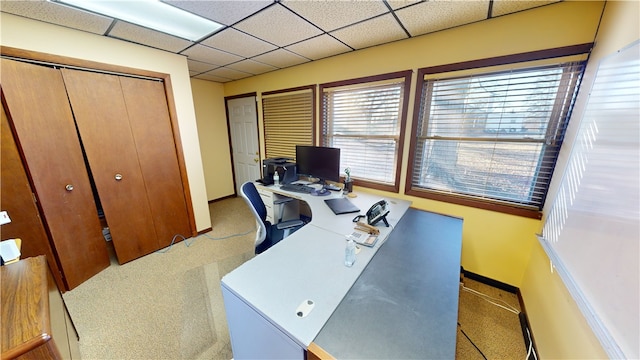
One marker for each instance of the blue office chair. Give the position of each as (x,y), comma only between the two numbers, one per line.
(267,234)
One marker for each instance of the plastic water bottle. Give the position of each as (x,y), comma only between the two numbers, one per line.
(276,178)
(350,252)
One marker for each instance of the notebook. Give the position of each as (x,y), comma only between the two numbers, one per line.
(341,206)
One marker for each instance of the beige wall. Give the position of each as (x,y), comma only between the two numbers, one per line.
(494,245)
(208,101)
(560,330)
(31,35)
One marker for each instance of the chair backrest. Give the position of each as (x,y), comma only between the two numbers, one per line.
(258,209)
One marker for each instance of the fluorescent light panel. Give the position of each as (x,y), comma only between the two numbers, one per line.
(151,14)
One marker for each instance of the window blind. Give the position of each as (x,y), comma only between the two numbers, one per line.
(592,228)
(494,136)
(364,120)
(288,121)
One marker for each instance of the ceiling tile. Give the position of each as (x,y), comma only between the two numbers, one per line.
(58,14)
(239,43)
(228,73)
(251,67)
(398,4)
(332,15)
(200,67)
(281,58)
(433,16)
(210,55)
(226,12)
(503,7)
(372,32)
(319,47)
(144,36)
(210,77)
(278,26)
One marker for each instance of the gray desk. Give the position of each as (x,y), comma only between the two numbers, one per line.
(404,305)
(262,295)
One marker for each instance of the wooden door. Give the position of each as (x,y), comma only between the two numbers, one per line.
(16,197)
(101,116)
(151,128)
(243,125)
(37,105)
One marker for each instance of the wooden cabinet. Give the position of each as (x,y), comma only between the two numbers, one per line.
(96,143)
(35,322)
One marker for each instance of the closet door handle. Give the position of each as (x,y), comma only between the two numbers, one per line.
(118,177)
(69,187)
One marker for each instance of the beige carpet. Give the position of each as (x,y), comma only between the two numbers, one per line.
(489,320)
(168,305)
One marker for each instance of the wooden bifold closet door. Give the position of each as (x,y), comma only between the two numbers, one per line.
(16,197)
(125,130)
(92,141)
(37,105)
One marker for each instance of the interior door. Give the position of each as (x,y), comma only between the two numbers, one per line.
(16,197)
(151,128)
(243,125)
(102,119)
(37,105)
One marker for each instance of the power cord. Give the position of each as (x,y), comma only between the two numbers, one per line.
(492,300)
(188,243)
(506,306)
(531,350)
(471,341)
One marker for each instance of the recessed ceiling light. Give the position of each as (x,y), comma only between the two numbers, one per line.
(152,14)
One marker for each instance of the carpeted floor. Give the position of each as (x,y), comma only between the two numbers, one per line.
(168,305)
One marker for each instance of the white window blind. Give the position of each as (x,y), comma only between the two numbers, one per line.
(365,121)
(288,121)
(494,136)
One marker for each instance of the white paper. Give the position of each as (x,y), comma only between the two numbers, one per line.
(9,250)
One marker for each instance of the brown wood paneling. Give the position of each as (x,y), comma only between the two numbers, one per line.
(38,107)
(151,127)
(16,197)
(102,120)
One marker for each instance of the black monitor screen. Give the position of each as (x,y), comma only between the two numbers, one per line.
(318,162)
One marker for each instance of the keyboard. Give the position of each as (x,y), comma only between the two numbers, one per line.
(299,188)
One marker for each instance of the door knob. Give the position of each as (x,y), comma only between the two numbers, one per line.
(118,177)
(69,187)
(256,160)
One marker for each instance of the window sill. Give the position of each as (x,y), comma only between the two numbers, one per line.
(475,203)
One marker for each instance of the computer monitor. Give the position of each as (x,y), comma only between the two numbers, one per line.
(318,162)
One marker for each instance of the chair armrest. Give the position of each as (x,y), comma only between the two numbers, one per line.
(282,200)
(289,224)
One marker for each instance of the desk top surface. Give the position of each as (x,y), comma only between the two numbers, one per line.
(308,265)
(404,305)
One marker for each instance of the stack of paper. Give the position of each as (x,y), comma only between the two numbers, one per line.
(9,250)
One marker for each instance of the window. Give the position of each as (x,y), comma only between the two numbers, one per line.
(365,118)
(288,120)
(491,139)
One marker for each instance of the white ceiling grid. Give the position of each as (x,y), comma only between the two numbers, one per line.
(262,36)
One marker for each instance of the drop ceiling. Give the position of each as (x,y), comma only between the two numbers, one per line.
(262,36)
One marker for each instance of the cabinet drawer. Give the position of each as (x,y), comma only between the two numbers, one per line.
(267,198)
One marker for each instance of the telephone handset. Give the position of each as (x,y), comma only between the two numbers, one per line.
(377,212)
